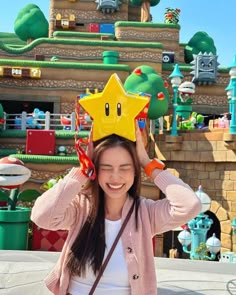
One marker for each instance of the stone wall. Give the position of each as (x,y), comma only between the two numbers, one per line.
(169,37)
(92,52)
(204,158)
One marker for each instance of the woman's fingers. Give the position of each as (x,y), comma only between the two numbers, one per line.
(140,147)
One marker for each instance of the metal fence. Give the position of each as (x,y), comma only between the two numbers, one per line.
(46,121)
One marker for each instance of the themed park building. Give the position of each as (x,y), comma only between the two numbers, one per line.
(51,72)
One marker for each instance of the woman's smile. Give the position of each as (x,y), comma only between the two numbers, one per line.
(115,186)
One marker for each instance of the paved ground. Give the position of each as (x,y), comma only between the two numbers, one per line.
(182,277)
(22,273)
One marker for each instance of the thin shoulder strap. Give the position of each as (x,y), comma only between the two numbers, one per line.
(101,271)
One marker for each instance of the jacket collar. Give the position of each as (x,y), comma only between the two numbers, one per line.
(127,205)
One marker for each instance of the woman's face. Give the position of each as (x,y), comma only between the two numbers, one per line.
(115,172)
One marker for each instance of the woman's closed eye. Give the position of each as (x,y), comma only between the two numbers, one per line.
(104,168)
(123,169)
(108,168)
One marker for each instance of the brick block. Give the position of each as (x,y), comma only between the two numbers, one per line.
(40,57)
(107,28)
(94,28)
(40,142)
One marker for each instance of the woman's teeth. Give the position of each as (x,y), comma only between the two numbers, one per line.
(115,186)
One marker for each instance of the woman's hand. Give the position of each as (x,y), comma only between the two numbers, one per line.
(140,148)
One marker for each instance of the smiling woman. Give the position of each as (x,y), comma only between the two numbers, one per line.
(95,210)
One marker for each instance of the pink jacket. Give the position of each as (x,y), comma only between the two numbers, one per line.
(62,208)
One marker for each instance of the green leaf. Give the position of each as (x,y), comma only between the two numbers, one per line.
(3,196)
(179,100)
(189,100)
(28,195)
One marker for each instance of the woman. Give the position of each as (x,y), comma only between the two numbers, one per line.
(93,211)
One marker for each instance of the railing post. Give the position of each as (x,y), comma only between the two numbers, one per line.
(23,120)
(5,120)
(47,120)
(73,121)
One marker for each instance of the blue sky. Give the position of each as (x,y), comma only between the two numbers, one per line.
(217,18)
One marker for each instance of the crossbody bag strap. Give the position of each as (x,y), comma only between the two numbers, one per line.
(101,271)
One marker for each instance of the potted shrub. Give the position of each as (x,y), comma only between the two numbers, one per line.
(184,100)
(14,219)
(184,108)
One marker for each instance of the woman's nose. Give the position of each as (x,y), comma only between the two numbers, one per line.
(115,174)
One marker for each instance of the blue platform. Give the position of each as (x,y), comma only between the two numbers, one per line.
(107,28)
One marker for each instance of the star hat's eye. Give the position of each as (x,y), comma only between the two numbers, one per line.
(107,109)
(118,109)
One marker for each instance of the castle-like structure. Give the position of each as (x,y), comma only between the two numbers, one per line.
(80,51)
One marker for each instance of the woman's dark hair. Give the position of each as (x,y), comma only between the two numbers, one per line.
(89,246)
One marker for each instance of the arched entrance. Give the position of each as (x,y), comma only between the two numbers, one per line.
(171,238)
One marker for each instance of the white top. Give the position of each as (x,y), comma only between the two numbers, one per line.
(115,277)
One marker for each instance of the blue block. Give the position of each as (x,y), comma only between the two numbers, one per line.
(107,28)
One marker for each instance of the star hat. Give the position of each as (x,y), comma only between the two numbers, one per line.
(114,110)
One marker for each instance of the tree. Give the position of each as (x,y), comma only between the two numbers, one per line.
(145,79)
(145,8)
(31,23)
(200,42)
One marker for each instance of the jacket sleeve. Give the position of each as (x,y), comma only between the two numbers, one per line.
(180,205)
(57,207)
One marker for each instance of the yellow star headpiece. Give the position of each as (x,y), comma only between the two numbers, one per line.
(114,110)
